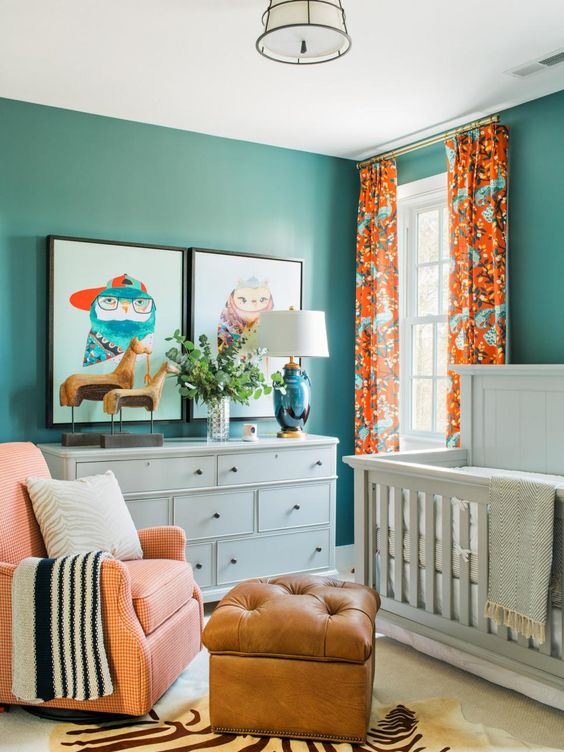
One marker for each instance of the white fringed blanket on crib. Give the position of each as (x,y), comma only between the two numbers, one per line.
(520,554)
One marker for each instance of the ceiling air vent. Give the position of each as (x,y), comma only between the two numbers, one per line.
(554,59)
(537,66)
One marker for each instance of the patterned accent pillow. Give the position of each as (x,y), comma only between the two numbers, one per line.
(88,514)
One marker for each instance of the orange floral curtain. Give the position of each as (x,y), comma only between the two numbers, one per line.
(477,195)
(377,312)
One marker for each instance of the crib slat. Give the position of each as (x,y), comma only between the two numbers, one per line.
(446,536)
(464,537)
(413,502)
(483,555)
(546,647)
(383,497)
(371,536)
(560,523)
(398,544)
(429,503)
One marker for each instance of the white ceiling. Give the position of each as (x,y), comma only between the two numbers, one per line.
(415,67)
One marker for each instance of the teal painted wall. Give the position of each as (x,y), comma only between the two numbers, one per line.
(536,225)
(421,163)
(69,173)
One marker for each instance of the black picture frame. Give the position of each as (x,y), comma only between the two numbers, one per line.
(51,421)
(193,411)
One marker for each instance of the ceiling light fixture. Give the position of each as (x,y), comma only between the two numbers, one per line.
(303,32)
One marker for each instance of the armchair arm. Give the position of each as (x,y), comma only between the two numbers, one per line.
(163,542)
(126,644)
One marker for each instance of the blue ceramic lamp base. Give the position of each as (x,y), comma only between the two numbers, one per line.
(292,407)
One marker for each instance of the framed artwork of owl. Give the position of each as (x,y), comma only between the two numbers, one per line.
(102,294)
(229,292)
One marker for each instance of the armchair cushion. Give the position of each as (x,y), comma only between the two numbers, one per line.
(88,514)
(159,587)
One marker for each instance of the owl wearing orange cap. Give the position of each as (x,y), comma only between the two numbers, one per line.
(119,311)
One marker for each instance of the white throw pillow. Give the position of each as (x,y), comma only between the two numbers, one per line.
(89,514)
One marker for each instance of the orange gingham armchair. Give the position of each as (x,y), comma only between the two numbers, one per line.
(151,608)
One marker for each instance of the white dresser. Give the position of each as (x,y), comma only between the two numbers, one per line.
(248,509)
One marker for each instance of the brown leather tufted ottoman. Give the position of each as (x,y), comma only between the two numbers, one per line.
(293,656)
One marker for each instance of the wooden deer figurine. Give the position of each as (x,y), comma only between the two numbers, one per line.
(148,396)
(84,386)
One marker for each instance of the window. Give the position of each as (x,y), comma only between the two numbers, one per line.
(424,268)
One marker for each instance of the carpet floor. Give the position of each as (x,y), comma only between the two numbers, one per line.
(420,704)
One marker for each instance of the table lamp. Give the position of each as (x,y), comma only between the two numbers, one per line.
(293,334)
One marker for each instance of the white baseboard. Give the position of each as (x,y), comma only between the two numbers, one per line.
(344,560)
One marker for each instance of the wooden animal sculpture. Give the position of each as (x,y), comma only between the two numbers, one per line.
(89,386)
(147,397)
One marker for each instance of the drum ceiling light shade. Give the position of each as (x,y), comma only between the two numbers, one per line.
(304,32)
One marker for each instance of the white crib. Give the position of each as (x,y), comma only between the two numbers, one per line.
(417,511)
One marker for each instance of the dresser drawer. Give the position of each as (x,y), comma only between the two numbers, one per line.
(272,555)
(200,557)
(215,515)
(149,512)
(283,464)
(155,474)
(294,506)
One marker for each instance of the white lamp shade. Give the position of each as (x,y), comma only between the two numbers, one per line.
(297,333)
(304,31)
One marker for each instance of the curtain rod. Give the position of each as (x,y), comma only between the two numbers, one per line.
(428,141)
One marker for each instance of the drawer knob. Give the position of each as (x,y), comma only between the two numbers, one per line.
(233,561)
(199,471)
(147,464)
(217,515)
(318,549)
(319,463)
(234,469)
(199,566)
(297,506)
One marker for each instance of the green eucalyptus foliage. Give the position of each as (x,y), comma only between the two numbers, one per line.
(207,378)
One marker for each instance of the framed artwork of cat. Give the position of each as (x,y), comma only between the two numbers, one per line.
(102,294)
(229,292)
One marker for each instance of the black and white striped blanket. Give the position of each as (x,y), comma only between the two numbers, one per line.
(58,640)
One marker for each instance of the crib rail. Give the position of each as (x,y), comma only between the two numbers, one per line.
(441,587)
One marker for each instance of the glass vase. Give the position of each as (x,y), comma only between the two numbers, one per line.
(218,420)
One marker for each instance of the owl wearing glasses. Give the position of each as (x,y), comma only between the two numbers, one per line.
(119,311)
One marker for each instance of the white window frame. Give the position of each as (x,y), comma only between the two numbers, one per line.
(413,197)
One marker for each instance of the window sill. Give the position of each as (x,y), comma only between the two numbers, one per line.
(409,442)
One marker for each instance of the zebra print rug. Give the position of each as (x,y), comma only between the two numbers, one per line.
(435,725)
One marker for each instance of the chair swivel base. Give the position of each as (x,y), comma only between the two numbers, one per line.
(72,716)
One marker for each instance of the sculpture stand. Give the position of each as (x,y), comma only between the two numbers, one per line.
(116,391)
(130,440)
(79,439)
